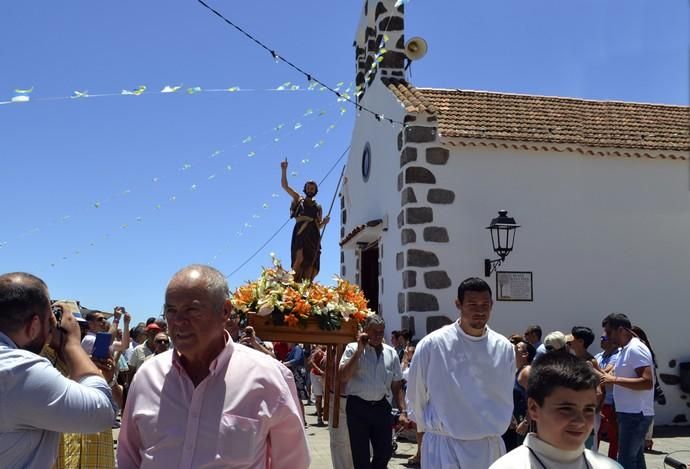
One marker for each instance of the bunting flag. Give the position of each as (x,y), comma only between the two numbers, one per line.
(170,89)
(22,95)
(136,92)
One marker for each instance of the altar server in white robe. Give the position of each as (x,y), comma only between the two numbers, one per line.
(462,394)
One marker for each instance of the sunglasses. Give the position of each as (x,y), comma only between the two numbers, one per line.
(604,338)
(163,342)
(101,319)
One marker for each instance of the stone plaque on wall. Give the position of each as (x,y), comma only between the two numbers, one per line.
(514,286)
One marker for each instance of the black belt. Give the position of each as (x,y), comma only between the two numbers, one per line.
(342,395)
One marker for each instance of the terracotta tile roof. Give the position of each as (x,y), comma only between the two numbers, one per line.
(528,118)
(411,98)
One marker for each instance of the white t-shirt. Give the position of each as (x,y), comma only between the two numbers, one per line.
(552,457)
(632,356)
(88,342)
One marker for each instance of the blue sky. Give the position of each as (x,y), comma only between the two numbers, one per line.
(87,183)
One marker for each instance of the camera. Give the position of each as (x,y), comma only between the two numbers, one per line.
(57,312)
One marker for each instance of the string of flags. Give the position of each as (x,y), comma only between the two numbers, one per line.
(295,124)
(26,95)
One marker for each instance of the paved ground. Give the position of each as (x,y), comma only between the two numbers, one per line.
(666,441)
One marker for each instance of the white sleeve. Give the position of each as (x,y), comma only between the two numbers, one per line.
(417,392)
(52,402)
(397,369)
(639,356)
(347,354)
(87,344)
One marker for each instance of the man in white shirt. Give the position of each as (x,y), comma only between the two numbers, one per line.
(462,380)
(633,390)
(373,375)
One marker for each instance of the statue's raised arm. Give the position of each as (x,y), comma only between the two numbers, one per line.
(284,182)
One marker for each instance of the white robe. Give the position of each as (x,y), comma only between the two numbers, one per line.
(462,396)
(550,456)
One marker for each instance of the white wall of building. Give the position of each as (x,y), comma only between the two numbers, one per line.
(600,234)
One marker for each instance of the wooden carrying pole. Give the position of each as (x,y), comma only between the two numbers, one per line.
(332,381)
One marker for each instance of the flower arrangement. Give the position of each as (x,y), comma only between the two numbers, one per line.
(292,303)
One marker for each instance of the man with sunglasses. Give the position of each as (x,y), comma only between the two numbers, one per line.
(162,342)
(633,390)
(96,322)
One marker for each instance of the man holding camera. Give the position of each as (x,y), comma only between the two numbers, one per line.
(37,403)
(373,374)
(96,322)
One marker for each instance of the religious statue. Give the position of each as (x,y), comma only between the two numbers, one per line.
(305,248)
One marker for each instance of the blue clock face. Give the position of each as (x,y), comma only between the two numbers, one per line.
(366,162)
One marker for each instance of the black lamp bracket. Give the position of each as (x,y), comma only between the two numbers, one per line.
(491,266)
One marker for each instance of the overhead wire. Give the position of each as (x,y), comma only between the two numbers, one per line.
(309,76)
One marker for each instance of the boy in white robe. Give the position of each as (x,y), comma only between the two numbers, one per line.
(462,380)
(562,400)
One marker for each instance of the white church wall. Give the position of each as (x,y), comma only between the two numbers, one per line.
(600,235)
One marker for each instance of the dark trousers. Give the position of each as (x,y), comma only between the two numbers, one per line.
(370,421)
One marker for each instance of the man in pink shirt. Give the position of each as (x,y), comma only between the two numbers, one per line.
(209,402)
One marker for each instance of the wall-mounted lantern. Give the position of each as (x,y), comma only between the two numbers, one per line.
(502,229)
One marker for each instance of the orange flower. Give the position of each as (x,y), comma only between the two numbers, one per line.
(302,308)
(244,295)
(357,316)
(291,320)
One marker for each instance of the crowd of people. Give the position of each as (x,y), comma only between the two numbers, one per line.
(197,388)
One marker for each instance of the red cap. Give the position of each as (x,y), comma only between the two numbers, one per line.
(153,327)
